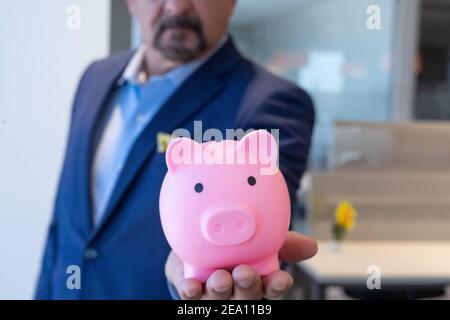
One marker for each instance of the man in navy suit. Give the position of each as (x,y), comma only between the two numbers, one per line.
(106,218)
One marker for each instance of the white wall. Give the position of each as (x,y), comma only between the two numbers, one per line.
(41,61)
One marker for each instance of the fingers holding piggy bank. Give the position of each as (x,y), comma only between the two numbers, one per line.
(225,204)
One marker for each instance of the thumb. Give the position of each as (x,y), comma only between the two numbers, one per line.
(297,247)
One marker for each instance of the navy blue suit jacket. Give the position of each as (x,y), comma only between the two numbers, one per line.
(123,257)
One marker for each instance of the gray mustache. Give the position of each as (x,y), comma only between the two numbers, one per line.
(179,22)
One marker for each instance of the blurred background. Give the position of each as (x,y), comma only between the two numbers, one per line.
(381,144)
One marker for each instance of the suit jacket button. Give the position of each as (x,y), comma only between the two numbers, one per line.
(91,254)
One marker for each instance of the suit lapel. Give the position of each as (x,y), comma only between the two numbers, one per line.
(190,98)
(104,80)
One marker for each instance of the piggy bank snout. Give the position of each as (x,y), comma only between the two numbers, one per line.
(228,227)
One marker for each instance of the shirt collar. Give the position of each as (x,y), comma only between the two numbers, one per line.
(135,73)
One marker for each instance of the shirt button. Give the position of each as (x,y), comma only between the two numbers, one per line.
(91,254)
(119,166)
(140,119)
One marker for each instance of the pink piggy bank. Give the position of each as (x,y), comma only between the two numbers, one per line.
(225,203)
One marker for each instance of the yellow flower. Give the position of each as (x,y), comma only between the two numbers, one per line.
(345,215)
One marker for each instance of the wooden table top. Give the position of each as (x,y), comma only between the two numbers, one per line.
(400,262)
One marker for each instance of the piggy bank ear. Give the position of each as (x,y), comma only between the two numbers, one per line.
(259,146)
(179,153)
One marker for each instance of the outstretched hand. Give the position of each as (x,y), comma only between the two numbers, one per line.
(243,283)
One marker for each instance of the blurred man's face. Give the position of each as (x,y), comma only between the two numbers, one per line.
(182,30)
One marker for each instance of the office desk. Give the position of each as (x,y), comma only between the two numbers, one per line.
(411,264)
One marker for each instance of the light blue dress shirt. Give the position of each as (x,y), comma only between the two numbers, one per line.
(133,105)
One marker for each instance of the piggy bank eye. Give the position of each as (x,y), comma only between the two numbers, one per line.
(198,188)
(251,180)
